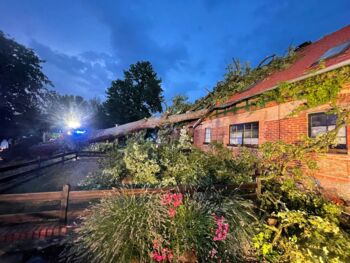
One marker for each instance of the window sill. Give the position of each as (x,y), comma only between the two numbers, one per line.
(337,151)
(206,143)
(244,145)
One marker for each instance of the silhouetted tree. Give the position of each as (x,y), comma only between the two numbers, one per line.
(22,85)
(136,96)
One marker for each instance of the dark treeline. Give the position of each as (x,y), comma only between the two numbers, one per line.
(29,105)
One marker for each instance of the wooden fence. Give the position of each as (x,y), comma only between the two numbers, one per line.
(67,197)
(42,163)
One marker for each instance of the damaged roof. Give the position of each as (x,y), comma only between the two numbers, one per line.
(331,49)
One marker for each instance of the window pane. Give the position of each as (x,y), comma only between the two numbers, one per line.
(207,137)
(318,120)
(332,119)
(341,140)
(255,130)
(331,128)
(251,134)
(318,130)
(238,131)
(251,141)
(247,130)
(342,132)
(236,141)
(236,134)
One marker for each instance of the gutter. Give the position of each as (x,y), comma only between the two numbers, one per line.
(321,71)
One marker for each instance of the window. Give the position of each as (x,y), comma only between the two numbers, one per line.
(320,123)
(207,135)
(244,134)
(335,50)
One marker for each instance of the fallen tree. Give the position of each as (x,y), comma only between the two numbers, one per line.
(151,123)
(46,149)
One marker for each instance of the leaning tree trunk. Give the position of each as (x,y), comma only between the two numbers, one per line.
(151,123)
(46,149)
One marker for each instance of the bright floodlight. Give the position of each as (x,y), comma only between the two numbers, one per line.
(73,124)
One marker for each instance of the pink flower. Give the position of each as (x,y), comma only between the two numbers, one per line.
(212,253)
(165,254)
(172,199)
(166,199)
(171,212)
(157,257)
(222,229)
(170,256)
(155,244)
(177,199)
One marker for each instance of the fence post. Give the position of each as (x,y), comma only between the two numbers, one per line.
(258,186)
(39,162)
(63,156)
(64,204)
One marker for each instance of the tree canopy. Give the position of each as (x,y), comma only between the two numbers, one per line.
(22,85)
(179,104)
(136,96)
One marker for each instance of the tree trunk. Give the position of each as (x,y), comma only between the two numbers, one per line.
(151,123)
(46,149)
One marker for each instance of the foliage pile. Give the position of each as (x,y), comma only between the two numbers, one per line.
(301,226)
(164,228)
(305,226)
(169,162)
(241,77)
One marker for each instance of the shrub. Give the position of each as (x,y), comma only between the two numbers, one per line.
(113,171)
(303,237)
(172,162)
(161,228)
(102,146)
(306,228)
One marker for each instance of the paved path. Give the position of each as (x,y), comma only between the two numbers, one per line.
(53,178)
(27,235)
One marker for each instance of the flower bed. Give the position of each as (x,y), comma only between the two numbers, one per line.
(164,228)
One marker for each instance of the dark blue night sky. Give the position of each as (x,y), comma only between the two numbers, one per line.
(87,43)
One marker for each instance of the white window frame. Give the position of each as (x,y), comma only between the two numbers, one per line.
(207,135)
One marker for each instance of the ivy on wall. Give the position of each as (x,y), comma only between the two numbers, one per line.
(314,91)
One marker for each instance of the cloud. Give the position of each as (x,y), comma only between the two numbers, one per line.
(89,43)
(87,74)
(132,36)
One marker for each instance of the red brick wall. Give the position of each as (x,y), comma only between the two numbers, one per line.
(275,123)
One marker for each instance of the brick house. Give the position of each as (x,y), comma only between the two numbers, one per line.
(274,122)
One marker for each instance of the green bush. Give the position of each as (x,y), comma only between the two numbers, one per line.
(307,227)
(160,228)
(101,146)
(303,237)
(172,162)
